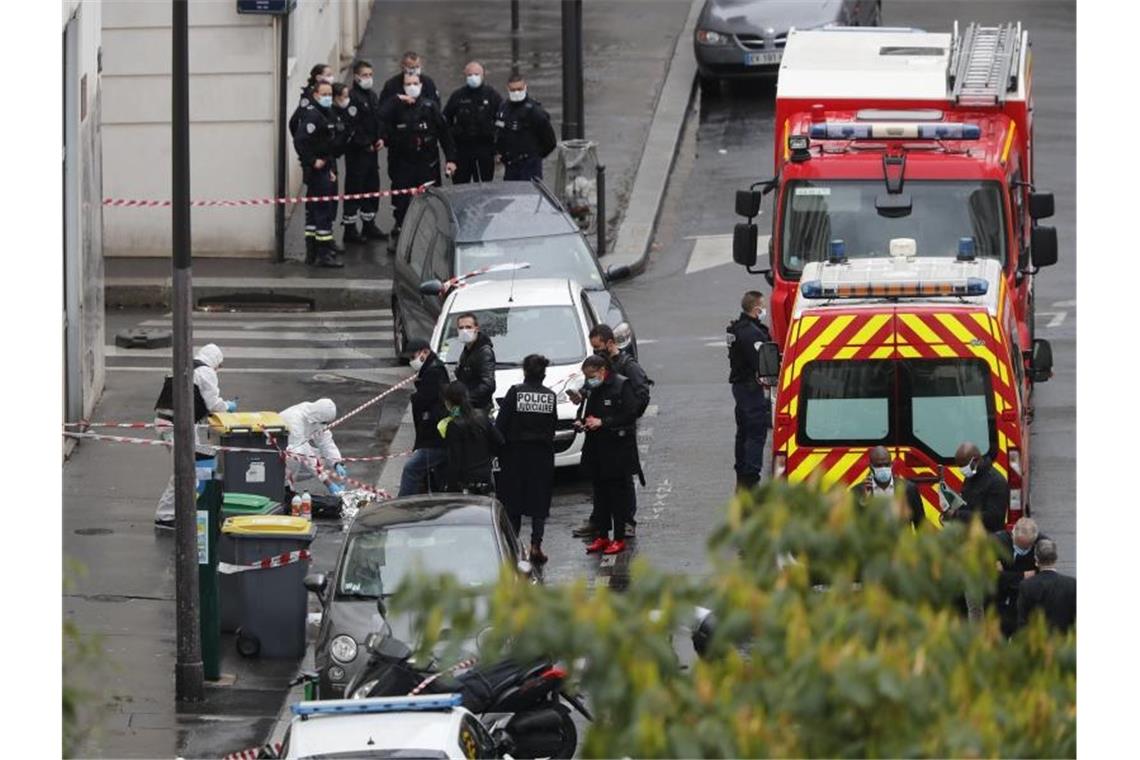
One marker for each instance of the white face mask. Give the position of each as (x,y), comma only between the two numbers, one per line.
(413,90)
(474,80)
(365,83)
(467,335)
(416,363)
(517,96)
(763,313)
(342,103)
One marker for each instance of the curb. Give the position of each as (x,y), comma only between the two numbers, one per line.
(326,294)
(636,230)
(404,439)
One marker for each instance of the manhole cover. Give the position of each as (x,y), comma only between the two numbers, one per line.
(256,302)
(94,532)
(139,337)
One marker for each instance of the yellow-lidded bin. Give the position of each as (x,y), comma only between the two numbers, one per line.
(266,607)
(252,472)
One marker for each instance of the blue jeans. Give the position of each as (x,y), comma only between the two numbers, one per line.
(422,462)
(753,418)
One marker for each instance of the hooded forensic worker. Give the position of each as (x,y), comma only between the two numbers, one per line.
(309,437)
(208,400)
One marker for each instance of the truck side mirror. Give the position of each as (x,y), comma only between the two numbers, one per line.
(769,359)
(1043,241)
(1041,361)
(744,239)
(1040,205)
(748,203)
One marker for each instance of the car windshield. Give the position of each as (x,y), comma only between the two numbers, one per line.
(560,256)
(934,404)
(377,562)
(941,214)
(553,331)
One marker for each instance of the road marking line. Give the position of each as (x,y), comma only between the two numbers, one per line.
(291,336)
(1063,304)
(650,411)
(261,352)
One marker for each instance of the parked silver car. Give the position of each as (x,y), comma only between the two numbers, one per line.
(745,38)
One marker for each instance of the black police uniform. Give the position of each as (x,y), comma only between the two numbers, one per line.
(527,418)
(305,101)
(470,113)
(609,454)
(414,134)
(361,167)
(523,137)
(317,139)
(753,407)
(394,86)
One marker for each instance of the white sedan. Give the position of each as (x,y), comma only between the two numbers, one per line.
(544,316)
(431,726)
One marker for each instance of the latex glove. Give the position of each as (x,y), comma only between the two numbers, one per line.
(336,489)
(340,470)
(231,406)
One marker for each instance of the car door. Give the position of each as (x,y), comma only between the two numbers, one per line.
(438,265)
(420,317)
(405,283)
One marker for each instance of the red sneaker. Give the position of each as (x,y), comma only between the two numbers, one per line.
(600,544)
(615,547)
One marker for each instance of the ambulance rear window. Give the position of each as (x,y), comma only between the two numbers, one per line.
(847,401)
(949,402)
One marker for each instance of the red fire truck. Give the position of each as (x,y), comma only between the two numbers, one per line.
(888,134)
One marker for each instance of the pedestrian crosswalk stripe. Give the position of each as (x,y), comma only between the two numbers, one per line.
(650,411)
(384,376)
(290,336)
(260,352)
(285,316)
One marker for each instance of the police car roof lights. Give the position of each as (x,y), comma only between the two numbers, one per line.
(378,705)
(969,286)
(894,130)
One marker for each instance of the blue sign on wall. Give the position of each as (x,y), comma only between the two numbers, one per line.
(269,7)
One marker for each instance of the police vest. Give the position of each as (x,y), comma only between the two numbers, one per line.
(536,414)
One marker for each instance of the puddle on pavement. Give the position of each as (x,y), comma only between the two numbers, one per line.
(94,532)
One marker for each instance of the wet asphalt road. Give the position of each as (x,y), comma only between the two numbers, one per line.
(691,290)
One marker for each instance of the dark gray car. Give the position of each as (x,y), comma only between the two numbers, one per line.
(745,38)
(450,231)
(467,536)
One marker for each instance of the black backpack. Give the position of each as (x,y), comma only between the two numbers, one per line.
(166,396)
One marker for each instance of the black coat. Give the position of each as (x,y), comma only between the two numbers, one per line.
(414,133)
(610,452)
(1010,578)
(305,101)
(317,137)
(470,114)
(626,365)
(527,418)
(476,370)
(523,130)
(395,86)
(986,493)
(472,443)
(1052,592)
(743,357)
(364,110)
(427,403)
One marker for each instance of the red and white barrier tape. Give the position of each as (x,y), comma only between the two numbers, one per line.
(279,560)
(140,203)
(85,424)
(461,280)
(457,666)
(368,403)
(270,750)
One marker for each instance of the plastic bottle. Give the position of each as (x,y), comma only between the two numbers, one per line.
(307,505)
(295,506)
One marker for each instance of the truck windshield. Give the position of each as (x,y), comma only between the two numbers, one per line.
(932,404)
(942,212)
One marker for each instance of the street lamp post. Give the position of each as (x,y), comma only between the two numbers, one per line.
(573,100)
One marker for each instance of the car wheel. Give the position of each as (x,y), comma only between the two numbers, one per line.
(399,334)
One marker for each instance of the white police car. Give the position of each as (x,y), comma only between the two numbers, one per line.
(430,726)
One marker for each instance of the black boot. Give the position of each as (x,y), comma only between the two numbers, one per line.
(372,232)
(352,234)
(310,250)
(326,257)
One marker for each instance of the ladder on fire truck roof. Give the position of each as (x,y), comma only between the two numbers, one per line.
(984,64)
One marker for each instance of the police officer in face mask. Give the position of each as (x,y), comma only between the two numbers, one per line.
(413,130)
(470,113)
(753,407)
(523,134)
(316,143)
(411,63)
(361,168)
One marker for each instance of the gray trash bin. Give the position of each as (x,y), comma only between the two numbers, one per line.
(266,606)
(251,472)
(576,180)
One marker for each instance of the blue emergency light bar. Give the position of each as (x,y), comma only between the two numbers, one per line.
(378,705)
(897,130)
(970,286)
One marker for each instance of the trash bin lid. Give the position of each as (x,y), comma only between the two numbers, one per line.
(248,503)
(230,422)
(267,525)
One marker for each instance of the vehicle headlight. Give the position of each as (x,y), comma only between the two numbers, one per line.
(343,649)
(709,37)
(623,335)
(364,689)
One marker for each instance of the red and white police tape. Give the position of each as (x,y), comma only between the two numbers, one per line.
(253,753)
(143,203)
(457,666)
(279,560)
(369,403)
(460,281)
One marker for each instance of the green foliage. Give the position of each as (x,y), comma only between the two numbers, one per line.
(82,658)
(858,647)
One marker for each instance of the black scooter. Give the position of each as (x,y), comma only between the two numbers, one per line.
(520,705)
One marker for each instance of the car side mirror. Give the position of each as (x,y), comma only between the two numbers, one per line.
(1041,361)
(748,203)
(744,239)
(1043,243)
(618,272)
(1040,205)
(316,583)
(769,359)
(431,288)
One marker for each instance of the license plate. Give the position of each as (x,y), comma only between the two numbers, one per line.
(763,59)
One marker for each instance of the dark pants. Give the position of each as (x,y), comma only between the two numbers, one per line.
(406,174)
(525,169)
(537,528)
(361,175)
(753,418)
(422,471)
(321,214)
(526,484)
(475,163)
(611,505)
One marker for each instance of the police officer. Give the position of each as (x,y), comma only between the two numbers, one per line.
(361,168)
(316,145)
(523,134)
(322,72)
(470,114)
(411,63)
(753,407)
(412,128)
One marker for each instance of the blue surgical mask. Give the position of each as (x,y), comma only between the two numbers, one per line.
(882,475)
(593,382)
(474,81)
(325,101)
